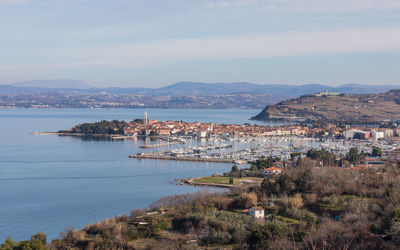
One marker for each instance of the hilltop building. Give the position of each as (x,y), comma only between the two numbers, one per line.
(327,93)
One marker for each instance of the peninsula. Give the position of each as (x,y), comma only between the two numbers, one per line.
(335,107)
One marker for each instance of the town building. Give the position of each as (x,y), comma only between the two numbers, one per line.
(394,155)
(373,162)
(272,170)
(377,134)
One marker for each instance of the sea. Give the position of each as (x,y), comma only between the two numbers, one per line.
(50,183)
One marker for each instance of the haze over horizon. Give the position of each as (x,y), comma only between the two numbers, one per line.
(134,43)
(79,84)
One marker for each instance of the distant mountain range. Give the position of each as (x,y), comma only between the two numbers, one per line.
(190,88)
(52,84)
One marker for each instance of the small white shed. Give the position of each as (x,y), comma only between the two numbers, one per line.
(256,212)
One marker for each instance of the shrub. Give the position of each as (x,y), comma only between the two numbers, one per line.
(295,201)
(163,225)
(72,235)
(246,200)
(261,235)
(137,213)
(35,244)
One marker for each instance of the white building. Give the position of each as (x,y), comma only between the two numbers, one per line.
(256,212)
(388,133)
(377,134)
(348,134)
(201,134)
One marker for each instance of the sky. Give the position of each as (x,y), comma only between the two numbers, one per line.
(147,43)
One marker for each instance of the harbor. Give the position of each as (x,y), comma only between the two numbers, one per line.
(248,149)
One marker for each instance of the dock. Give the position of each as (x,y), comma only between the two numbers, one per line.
(191,181)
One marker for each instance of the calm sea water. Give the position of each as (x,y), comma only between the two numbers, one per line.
(49,183)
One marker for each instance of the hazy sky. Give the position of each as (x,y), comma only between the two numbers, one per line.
(155,43)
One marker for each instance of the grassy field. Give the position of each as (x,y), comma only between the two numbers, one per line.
(225,180)
(287,220)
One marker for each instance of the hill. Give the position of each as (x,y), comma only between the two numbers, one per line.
(326,207)
(363,108)
(198,88)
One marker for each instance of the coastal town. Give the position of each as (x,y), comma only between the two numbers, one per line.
(243,143)
(198,129)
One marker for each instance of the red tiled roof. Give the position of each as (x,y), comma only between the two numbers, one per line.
(360,166)
(272,169)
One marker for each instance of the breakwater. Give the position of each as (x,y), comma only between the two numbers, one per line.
(160,145)
(179,158)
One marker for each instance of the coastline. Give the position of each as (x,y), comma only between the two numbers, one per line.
(212,181)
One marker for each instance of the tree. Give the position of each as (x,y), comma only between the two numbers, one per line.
(34,243)
(376,151)
(8,244)
(294,155)
(40,236)
(235,168)
(253,168)
(102,127)
(304,181)
(354,156)
(391,218)
(299,161)
(327,157)
(264,162)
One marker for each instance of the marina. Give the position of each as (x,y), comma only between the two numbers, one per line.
(248,149)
